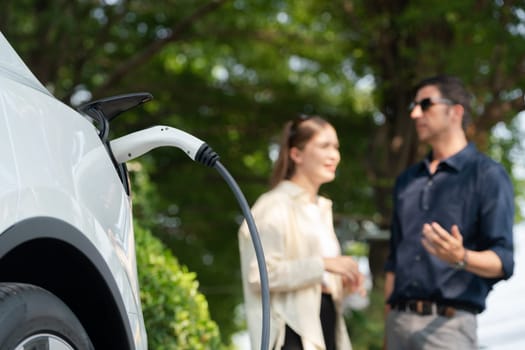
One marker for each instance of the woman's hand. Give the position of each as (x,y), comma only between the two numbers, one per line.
(348,269)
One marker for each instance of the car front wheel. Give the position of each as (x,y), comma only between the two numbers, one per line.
(32,318)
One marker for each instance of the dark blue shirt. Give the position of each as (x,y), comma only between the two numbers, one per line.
(468,189)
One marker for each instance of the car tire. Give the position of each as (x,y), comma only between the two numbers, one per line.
(33,318)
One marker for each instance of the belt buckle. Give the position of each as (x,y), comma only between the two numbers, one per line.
(447,311)
(426,308)
(421,307)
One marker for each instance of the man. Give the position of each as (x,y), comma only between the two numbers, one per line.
(451,235)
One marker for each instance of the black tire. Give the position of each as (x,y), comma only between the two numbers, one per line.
(32,318)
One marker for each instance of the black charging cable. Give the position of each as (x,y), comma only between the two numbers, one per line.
(135,144)
(208,157)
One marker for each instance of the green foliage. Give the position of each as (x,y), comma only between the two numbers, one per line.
(356,248)
(366,327)
(175,313)
(231,73)
(507,147)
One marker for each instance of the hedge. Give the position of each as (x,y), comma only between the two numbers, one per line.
(175,312)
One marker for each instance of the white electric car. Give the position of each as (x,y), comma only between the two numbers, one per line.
(68,276)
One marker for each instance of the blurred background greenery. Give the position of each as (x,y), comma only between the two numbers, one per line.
(231,73)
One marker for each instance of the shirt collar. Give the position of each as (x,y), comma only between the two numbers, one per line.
(297,192)
(458,160)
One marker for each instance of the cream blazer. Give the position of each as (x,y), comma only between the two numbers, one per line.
(295,270)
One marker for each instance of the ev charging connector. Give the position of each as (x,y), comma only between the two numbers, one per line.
(134,145)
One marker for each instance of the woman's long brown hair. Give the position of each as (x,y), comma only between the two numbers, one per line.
(296,133)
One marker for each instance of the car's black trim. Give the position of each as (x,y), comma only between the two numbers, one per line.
(112,106)
(105,110)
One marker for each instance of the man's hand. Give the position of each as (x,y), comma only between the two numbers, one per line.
(439,242)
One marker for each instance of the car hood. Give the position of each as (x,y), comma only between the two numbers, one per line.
(13,68)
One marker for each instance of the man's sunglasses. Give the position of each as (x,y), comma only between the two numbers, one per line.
(428,102)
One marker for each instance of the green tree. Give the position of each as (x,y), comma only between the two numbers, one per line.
(402,41)
(231,72)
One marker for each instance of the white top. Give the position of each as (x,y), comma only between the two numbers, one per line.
(329,246)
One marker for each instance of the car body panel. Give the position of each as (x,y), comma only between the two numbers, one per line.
(54,165)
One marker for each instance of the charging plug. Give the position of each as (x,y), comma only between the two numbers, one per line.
(134,145)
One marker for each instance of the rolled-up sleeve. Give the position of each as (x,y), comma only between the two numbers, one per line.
(497,216)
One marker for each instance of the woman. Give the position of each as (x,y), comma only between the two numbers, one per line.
(307,275)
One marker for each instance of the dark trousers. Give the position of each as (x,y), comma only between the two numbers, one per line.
(292,340)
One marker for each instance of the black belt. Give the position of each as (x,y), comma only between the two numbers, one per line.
(425,308)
